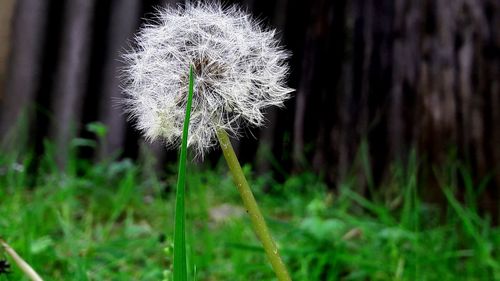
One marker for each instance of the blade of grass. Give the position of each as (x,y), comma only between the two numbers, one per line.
(180,263)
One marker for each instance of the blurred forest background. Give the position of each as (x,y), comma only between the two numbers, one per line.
(384,77)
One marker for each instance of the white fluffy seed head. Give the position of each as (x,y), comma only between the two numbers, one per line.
(239,67)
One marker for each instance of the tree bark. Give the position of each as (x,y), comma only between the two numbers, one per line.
(314,37)
(24,62)
(72,74)
(268,133)
(123,22)
(6,10)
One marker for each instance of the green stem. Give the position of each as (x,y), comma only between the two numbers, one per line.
(252,208)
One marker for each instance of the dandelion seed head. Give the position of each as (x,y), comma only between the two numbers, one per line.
(240,69)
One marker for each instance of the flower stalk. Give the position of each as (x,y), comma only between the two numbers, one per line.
(22,264)
(258,222)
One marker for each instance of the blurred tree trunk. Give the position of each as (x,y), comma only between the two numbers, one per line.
(399,74)
(123,22)
(268,135)
(6,10)
(314,38)
(24,66)
(491,88)
(72,74)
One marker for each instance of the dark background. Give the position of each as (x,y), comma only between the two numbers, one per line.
(382,77)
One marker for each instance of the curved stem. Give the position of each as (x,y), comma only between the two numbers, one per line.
(258,222)
(22,264)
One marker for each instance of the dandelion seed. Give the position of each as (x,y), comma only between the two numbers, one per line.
(240,69)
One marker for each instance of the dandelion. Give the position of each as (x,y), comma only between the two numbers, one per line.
(240,69)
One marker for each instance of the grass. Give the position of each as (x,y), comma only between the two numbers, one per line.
(180,256)
(113,221)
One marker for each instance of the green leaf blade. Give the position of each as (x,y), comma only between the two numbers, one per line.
(180,261)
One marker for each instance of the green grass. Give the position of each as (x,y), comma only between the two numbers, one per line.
(113,221)
(180,256)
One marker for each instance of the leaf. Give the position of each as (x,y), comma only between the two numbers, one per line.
(98,128)
(180,263)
